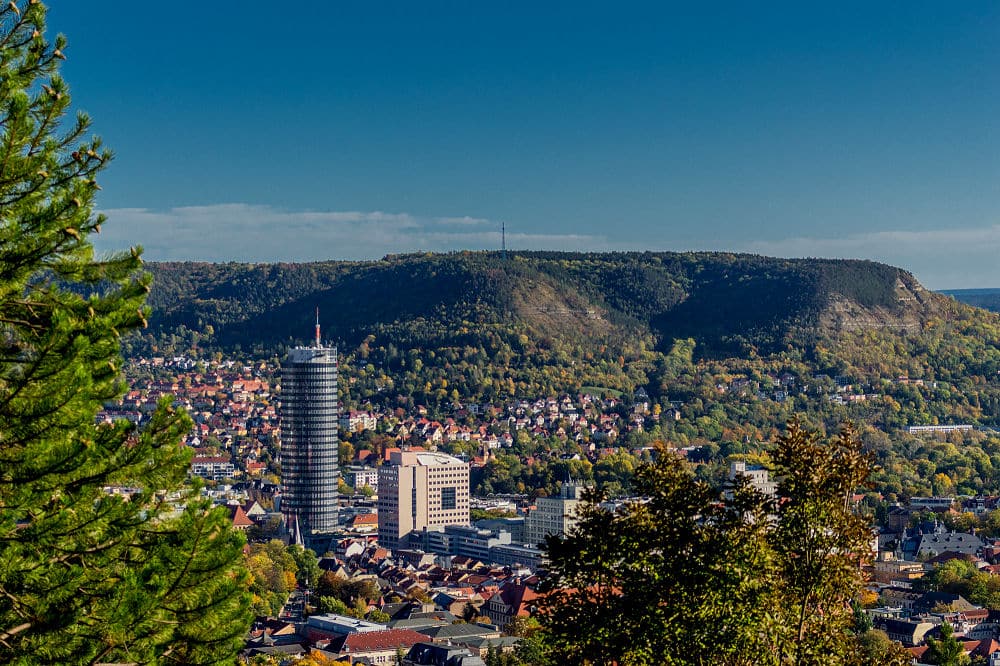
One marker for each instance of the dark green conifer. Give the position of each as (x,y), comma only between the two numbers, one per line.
(97,561)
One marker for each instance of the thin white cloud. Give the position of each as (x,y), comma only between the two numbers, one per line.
(940,258)
(465,221)
(244,232)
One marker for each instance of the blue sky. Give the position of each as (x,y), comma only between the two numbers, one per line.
(325,130)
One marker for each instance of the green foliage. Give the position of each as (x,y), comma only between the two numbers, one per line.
(307,570)
(988,299)
(95,563)
(436,330)
(328,604)
(487,514)
(875,647)
(507,474)
(862,620)
(273,569)
(550,320)
(375,615)
(818,540)
(522,656)
(946,650)
(962,577)
(685,578)
(432,292)
(532,651)
(637,587)
(352,595)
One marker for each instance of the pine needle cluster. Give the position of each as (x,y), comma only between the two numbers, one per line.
(104,556)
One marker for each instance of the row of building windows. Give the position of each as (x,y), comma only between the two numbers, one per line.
(316,467)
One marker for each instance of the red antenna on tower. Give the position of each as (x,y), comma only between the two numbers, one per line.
(317,328)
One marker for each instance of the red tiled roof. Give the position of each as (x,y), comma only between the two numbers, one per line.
(372,641)
(239,517)
(518,597)
(967,647)
(986,648)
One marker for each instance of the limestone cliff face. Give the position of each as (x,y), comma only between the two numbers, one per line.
(914,306)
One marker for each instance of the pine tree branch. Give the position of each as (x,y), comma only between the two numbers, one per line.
(14,29)
(13,631)
(42,128)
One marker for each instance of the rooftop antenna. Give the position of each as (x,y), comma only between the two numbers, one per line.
(503,240)
(317,328)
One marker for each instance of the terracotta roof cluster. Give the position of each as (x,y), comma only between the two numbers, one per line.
(376,641)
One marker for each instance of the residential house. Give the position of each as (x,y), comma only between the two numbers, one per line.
(908,632)
(514,600)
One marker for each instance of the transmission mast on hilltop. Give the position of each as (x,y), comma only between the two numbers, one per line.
(503,241)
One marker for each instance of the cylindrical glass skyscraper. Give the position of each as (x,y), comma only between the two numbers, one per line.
(309,443)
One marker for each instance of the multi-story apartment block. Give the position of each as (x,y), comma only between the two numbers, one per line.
(214,468)
(418,489)
(553,515)
(359,477)
(354,421)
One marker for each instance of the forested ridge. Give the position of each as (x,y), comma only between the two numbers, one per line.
(728,302)
(476,326)
(738,344)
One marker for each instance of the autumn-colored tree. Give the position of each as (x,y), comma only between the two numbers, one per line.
(819,540)
(677,579)
(687,577)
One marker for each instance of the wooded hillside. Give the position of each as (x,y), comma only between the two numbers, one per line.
(738,343)
(728,303)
